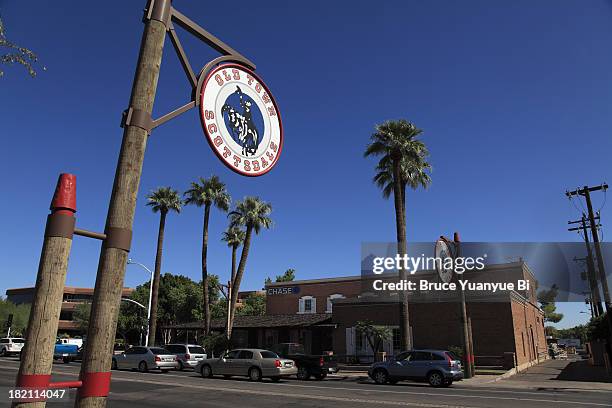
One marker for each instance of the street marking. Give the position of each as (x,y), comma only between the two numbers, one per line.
(344,399)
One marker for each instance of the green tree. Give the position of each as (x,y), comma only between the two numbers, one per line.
(207,193)
(597,328)
(16,54)
(375,335)
(288,276)
(234,237)
(253,305)
(547,302)
(162,200)
(21,314)
(131,320)
(253,214)
(402,163)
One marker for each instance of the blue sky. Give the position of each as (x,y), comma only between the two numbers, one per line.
(514,97)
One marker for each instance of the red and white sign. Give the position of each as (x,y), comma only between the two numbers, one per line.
(241,120)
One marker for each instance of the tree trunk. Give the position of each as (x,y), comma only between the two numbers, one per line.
(234,248)
(400,222)
(236,285)
(156,277)
(205,299)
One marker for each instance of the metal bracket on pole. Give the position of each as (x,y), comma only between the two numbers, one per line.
(161,10)
(138,118)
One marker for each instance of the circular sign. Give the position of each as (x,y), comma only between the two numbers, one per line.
(442,253)
(241,120)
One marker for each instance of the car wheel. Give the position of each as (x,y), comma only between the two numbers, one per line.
(181,366)
(114,364)
(4,353)
(320,376)
(142,367)
(447,383)
(275,379)
(66,360)
(206,371)
(227,376)
(380,376)
(435,379)
(164,371)
(303,373)
(254,374)
(392,381)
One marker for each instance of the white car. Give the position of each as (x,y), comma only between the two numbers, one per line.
(11,345)
(145,359)
(188,354)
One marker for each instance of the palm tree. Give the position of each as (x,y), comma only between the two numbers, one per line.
(253,214)
(234,237)
(403,163)
(207,192)
(162,200)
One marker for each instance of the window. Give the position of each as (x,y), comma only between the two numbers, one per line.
(196,350)
(157,350)
(358,339)
(421,356)
(397,339)
(330,303)
(268,354)
(435,356)
(245,355)
(231,354)
(308,304)
(403,356)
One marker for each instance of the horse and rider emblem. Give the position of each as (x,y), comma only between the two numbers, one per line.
(240,119)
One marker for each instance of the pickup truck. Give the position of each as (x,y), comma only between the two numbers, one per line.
(317,366)
(65,352)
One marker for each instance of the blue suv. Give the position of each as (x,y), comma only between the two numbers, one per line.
(438,367)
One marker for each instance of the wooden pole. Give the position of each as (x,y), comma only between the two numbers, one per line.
(95,369)
(37,355)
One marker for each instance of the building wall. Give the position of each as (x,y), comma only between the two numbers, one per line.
(280,302)
(529,336)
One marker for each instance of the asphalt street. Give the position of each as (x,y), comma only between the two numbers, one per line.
(188,389)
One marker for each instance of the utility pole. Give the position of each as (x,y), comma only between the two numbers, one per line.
(592,276)
(467,344)
(586,193)
(95,369)
(37,355)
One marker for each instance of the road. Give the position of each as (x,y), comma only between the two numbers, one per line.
(187,389)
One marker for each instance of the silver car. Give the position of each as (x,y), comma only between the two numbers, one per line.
(188,354)
(145,359)
(438,367)
(253,363)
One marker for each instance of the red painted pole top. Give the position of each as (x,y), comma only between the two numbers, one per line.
(64,198)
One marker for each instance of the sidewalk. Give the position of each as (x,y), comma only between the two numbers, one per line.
(550,375)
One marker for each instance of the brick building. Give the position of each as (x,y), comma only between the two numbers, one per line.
(72,297)
(322,314)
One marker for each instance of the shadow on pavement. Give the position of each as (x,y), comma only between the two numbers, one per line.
(582,371)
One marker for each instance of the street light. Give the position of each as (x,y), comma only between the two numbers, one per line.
(132,262)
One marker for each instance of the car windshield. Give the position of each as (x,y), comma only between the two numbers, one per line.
(18,341)
(156,351)
(268,354)
(196,350)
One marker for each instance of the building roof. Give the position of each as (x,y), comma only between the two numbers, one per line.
(244,322)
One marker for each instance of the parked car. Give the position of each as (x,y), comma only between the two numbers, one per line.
(77,342)
(65,352)
(438,367)
(253,363)
(317,366)
(188,355)
(145,359)
(11,345)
